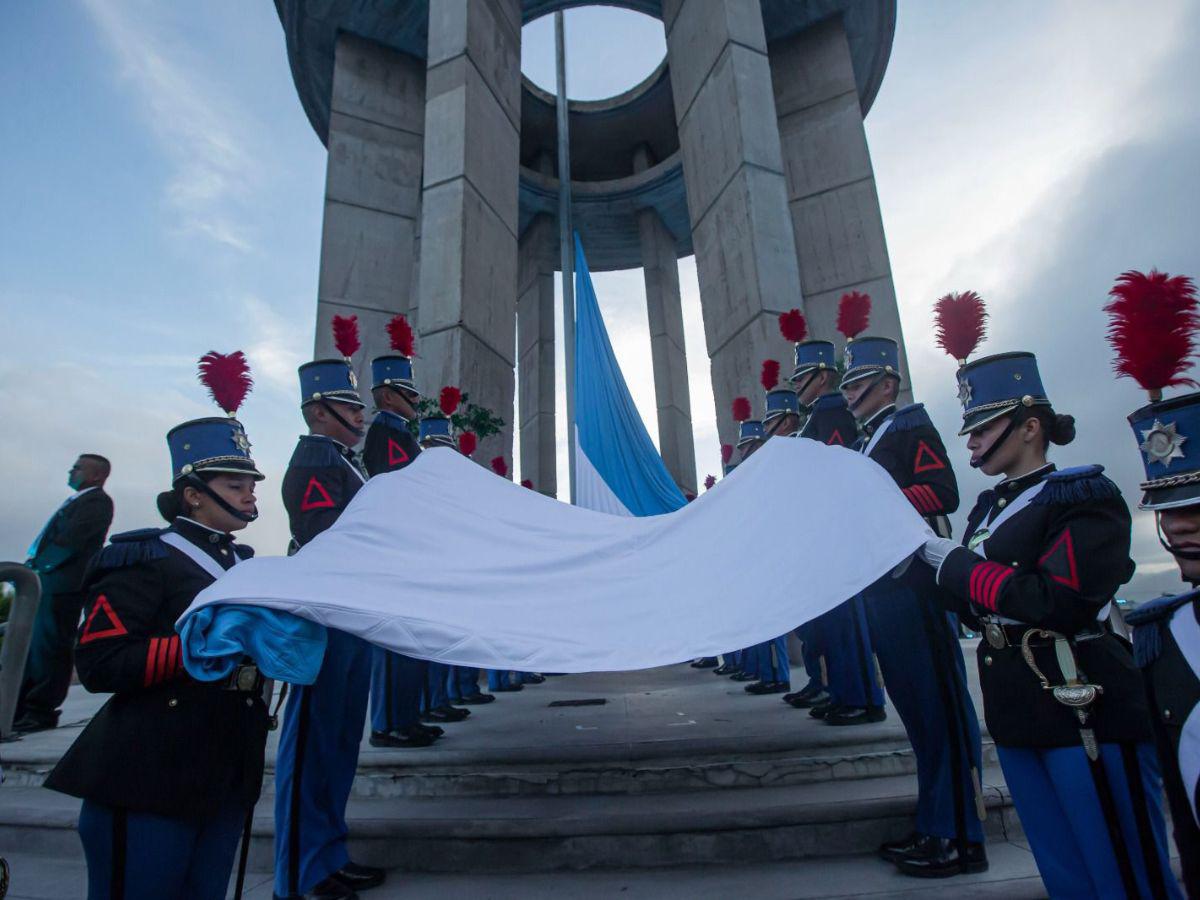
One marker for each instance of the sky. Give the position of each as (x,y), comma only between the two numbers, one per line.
(162,195)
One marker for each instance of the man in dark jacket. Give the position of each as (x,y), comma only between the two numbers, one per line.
(60,555)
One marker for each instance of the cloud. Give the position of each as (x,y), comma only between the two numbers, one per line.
(196,125)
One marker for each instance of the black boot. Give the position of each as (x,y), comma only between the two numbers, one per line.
(856,715)
(935,857)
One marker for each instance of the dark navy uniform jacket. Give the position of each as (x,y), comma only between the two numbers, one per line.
(908,446)
(321,479)
(1054,563)
(164,743)
(72,537)
(831,422)
(389,445)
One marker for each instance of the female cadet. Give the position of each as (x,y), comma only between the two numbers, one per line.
(1043,554)
(170,767)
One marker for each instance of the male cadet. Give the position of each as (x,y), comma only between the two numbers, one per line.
(917,649)
(60,555)
(847,692)
(323,723)
(396,679)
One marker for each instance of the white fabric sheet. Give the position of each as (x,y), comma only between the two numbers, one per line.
(446,561)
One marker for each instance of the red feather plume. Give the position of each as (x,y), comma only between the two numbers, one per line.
(709,481)
(1152,329)
(726,452)
(526,483)
(741,409)
(467,442)
(959,319)
(499,466)
(227,377)
(793,326)
(345,335)
(401,335)
(854,313)
(770,374)
(449,399)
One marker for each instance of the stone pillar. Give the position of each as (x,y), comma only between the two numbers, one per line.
(468,282)
(372,193)
(664,310)
(538,264)
(831,186)
(737,194)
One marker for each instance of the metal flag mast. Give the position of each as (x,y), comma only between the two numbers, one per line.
(566,244)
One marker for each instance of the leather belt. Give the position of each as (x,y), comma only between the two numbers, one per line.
(246,679)
(1000,636)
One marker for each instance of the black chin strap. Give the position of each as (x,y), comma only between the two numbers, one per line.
(1177,552)
(862,398)
(194,480)
(357,432)
(987,454)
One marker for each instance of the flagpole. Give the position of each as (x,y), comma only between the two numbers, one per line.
(566,243)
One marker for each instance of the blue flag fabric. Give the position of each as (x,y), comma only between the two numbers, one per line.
(617,468)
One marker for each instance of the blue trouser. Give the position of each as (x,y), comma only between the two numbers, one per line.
(436,677)
(923,670)
(1056,797)
(143,856)
(849,657)
(315,766)
(396,685)
(499,680)
(770,661)
(810,651)
(463,682)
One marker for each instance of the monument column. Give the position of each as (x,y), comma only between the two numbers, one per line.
(831,186)
(372,193)
(737,194)
(664,310)
(538,263)
(468,280)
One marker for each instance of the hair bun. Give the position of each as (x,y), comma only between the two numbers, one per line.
(1063,430)
(169,505)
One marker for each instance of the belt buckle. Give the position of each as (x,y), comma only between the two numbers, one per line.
(245,678)
(994,632)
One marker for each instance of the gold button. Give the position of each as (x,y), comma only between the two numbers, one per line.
(173,702)
(987,660)
(1166,714)
(249,701)
(1003,503)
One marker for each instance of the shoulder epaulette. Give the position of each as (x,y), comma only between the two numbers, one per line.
(1081,484)
(243,551)
(911,417)
(830,401)
(131,547)
(389,419)
(315,451)
(1148,621)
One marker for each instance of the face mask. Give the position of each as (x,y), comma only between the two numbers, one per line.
(74,482)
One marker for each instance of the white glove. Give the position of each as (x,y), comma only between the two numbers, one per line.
(936,549)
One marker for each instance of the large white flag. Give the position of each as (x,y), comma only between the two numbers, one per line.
(444,560)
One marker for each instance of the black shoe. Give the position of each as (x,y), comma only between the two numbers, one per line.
(743,676)
(445,714)
(332,888)
(935,857)
(432,730)
(894,850)
(509,688)
(856,715)
(726,669)
(821,711)
(767,687)
(30,724)
(400,739)
(361,878)
(820,698)
(809,690)
(532,678)
(473,699)
(708,662)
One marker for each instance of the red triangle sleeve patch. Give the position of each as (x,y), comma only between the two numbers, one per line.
(396,453)
(1059,561)
(103,622)
(836,438)
(315,496)
(927,460)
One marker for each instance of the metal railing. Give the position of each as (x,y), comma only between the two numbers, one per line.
(17,635)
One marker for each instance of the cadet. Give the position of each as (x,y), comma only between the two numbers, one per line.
(1043,555)
(914,642)
(1166,638)
(396,680)
(846,691)
(323,723)
(170,768)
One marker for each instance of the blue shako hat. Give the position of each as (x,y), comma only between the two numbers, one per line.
(813,356)
(436,430)
(1168,436)
(750,431)
(995,386)
(216,444)
(781,402)
(396,369)
(329,379)
(866,357)
(728,467)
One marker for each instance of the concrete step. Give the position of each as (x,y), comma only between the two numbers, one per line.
(548,833)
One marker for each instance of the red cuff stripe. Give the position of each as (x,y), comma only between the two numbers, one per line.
(150,655)
(164,650)
(973,590)
(986,580)
(1005,574)
(915,498)
(172,657)
(935,505)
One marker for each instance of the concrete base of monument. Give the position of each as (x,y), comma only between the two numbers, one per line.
(677,768)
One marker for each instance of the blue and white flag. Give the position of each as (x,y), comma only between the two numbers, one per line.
(617,468)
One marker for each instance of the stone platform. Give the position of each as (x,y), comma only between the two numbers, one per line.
(678,768)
